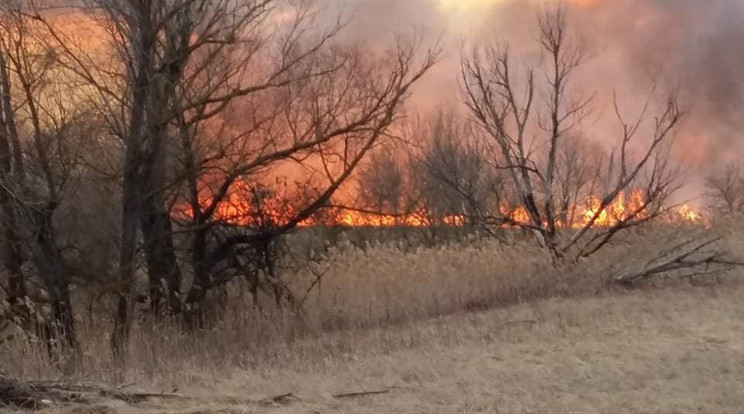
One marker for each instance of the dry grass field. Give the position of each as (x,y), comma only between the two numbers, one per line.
(479,326)
(678,350)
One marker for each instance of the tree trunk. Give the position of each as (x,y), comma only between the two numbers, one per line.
(10,249)
(142,42)
(130,211)
(49,262)
(125,304)
(162,266)
(202,282)
(11,252)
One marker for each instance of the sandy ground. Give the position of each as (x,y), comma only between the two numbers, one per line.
(671,351)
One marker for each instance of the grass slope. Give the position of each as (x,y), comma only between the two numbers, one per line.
(668,351)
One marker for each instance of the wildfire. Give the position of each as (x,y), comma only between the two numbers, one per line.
(688,214)
(622,209)
(360,219)
(520,215)
(248,206)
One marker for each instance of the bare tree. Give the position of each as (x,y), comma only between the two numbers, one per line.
(507,107)
(451,172)
(726,189)
(381,183)
(211,98)
(11,164)
(323,125)
(43,127)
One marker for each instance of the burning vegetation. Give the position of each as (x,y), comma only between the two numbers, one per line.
(250,207)
(137,172)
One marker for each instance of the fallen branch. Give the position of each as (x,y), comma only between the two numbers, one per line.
(697,256)
(361,393)
(38,394)
(282,399)
(18,394)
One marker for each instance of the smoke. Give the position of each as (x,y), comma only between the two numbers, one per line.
(692,46)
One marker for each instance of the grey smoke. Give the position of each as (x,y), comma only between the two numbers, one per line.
(696,46)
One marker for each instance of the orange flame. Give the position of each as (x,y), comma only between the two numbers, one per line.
(619,210)
(247,206)
(688,214)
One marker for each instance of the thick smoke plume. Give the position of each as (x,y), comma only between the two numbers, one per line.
(692,46)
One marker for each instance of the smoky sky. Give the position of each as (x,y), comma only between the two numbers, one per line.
(695,47)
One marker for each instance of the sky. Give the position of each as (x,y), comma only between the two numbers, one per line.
(692,46)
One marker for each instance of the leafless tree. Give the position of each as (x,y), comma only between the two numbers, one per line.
(451,172)
(327,124)
(381,183)
(512,108)
(42,129)
(726,189)
(212,98)
(12,163)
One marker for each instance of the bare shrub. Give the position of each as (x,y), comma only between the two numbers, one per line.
(726,189)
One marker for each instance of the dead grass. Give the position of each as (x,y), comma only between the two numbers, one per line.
(476,327)
(672,350)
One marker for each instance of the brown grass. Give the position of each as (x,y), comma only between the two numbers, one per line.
(480,327)
(673,350)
